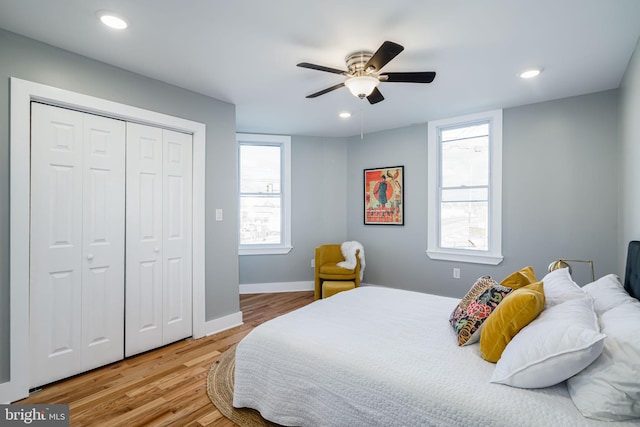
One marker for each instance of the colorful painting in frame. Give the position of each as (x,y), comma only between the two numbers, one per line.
(384,196)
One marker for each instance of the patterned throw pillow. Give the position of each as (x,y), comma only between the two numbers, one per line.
(468,317)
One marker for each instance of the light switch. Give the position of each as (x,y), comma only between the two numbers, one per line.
(218,214)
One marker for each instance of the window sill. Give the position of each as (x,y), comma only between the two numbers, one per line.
(283,250)
(465,257)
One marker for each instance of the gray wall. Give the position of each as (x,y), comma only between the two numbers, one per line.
(30,60)
(559,196)
(319,194)
(395,255)
(560,184)
(629,156)
(560,199)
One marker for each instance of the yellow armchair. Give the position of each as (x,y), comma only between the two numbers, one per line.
(327,256)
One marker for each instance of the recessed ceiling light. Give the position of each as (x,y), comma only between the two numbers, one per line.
(345,115)
(530,73)
(111,20)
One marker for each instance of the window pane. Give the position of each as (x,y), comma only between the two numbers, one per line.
(464,225)
(260,169)
(465,155)
(260,220)
(465,162)
(465,132)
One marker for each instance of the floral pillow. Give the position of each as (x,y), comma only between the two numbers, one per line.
(468,317)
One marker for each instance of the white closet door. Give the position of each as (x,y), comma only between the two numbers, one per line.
(56,244)
(159,234)
(64,340)
(103,241)
(177,236)
(143,321)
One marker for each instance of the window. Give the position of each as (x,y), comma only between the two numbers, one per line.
(465,189)
(264,194)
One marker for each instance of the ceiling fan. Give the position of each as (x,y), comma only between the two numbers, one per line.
(363,75)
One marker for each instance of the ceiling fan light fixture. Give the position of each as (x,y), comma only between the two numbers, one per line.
(361,86)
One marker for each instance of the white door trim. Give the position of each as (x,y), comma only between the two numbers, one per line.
(22,93)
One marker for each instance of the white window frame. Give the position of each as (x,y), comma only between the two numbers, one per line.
(493,255)
(285,145)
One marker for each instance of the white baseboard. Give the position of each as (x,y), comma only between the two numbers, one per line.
(223,323)
(266,288)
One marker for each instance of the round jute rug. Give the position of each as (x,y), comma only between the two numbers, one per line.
(220,391)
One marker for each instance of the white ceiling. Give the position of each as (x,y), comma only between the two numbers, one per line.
(245,52)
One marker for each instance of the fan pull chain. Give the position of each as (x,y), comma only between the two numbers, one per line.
(361,124)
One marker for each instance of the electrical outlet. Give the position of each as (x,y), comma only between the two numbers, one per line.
(313,263)
(456,273)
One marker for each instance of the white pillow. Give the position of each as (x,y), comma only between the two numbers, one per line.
(560,287)
(609,388)
(607,292)
(560,342)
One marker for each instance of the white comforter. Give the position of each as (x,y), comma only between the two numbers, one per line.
(382,357)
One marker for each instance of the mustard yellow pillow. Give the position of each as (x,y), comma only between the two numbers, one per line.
(520,278)
(515,312)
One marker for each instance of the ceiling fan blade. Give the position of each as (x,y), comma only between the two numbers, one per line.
(383,55)
(321,68)
(322,92)
(375,96)
(412,77)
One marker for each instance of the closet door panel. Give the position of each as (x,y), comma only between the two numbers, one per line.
(143,330)
(103,235)
(177,236)
(56,244)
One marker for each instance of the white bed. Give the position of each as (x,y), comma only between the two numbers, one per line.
(376,356)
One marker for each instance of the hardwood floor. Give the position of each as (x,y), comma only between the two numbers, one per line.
(164,387)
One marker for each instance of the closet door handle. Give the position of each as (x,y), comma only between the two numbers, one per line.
(90,257)
(156,250)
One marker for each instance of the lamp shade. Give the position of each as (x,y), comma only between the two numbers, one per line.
(361,86)
(564,263)
(556,265)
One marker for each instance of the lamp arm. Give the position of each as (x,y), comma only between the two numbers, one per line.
(593,276)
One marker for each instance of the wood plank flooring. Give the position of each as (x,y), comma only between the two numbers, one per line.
(164,387)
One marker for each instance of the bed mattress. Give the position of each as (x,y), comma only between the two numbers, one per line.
(377,356)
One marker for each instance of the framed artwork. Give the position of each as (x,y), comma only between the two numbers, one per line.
(384,196)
